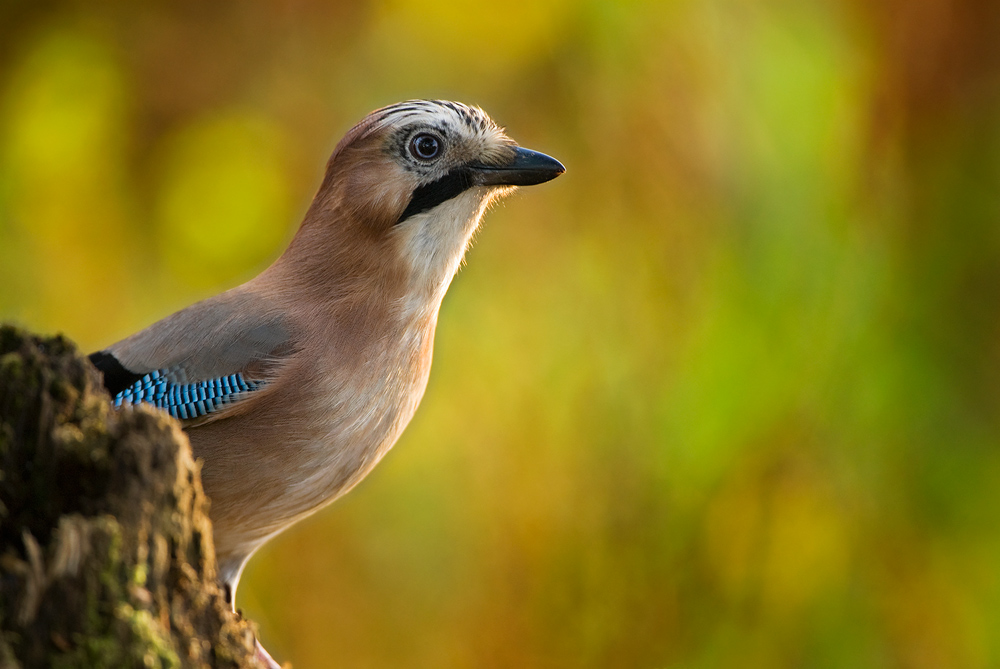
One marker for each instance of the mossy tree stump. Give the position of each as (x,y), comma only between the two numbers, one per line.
(106,555)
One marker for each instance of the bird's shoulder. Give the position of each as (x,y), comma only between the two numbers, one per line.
(204,358)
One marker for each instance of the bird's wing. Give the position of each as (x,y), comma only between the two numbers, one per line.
(200,360)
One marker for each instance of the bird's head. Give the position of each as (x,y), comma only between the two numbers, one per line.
(417,176)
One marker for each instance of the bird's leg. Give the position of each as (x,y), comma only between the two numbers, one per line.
(264,657)
(259,651)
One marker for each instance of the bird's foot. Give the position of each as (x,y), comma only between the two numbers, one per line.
(264,657)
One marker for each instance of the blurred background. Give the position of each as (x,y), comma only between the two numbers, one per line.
(727,394)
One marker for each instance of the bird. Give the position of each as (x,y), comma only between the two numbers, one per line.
(292,386)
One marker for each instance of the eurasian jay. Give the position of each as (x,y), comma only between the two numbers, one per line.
(292,386)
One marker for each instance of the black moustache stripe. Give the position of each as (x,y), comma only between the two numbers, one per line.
(431,195)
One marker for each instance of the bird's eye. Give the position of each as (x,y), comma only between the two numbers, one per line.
(425,147)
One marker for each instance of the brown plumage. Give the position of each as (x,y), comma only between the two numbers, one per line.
(337,334)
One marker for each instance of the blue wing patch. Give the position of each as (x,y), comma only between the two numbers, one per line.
(186,401)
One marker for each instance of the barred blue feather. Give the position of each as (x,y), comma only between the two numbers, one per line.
(186,401)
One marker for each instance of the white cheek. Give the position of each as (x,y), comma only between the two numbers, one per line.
(433,243)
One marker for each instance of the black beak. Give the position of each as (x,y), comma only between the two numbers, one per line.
(526,169)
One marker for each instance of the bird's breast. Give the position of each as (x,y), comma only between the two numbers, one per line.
(342,416)
(363,412)
(313,433)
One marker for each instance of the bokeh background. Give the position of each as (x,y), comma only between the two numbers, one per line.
(727,394)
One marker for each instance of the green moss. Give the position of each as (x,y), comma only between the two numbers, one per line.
(152,646)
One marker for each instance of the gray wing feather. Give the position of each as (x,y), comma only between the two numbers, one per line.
(232,332)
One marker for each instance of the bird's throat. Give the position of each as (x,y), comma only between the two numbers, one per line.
(431,246)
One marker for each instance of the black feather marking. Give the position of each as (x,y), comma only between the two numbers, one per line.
(431,195)
(116,377)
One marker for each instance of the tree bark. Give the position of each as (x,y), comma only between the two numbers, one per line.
(106,554)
